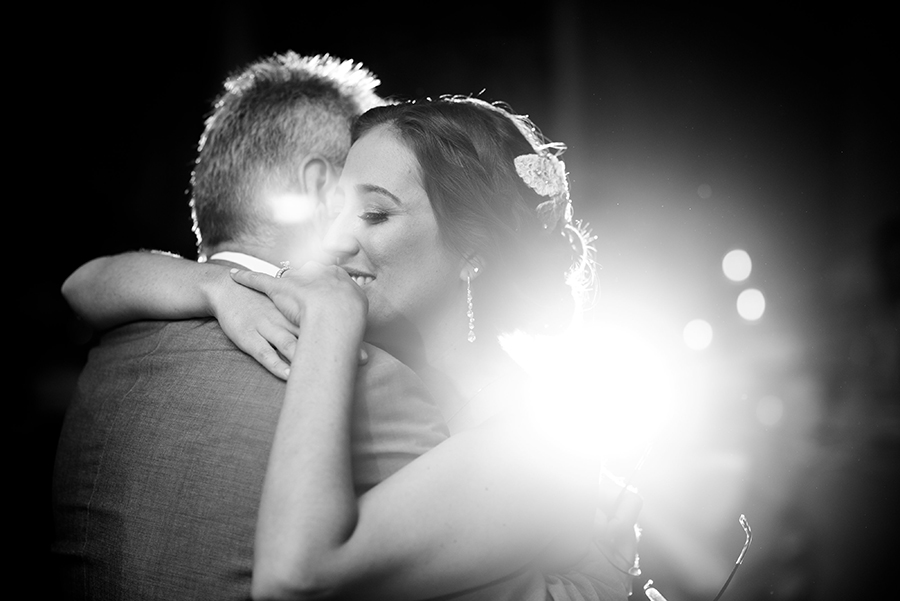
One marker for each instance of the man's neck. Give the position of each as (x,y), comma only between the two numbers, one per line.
(276,249)
(245,260)
(250,246)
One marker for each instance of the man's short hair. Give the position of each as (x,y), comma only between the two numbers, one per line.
(270,116)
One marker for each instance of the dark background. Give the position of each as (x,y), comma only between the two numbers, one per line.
(787,117)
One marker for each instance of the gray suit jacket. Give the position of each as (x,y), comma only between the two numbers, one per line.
(163,452)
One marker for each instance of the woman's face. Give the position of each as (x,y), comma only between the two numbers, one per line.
(385,235)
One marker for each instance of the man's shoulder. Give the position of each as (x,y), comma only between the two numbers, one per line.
(202,336)
(193,350)
(167,436)
(183,332)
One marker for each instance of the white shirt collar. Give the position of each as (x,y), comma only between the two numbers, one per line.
(251,263)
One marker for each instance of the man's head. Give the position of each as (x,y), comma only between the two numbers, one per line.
(277,136)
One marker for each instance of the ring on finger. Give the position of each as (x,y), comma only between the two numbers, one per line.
(285,266)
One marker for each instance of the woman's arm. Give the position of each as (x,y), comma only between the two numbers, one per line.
(480,506)
(113,290)
(309,465)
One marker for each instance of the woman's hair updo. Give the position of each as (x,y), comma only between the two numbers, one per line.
(466,150)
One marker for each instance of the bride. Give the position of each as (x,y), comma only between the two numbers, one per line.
(451,226)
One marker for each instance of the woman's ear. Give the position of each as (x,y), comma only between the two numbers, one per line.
(472,267)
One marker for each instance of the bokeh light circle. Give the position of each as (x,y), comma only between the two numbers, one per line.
(737,265)
(697,334)
(751,304)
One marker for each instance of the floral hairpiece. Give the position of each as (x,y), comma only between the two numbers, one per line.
(546,174)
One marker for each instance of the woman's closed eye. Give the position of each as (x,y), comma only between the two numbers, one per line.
(374,216)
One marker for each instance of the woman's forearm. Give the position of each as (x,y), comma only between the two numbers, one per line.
(308,508)
(479,506)
(476,508)
(117,289)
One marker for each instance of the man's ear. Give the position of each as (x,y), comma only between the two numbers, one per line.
(318,176)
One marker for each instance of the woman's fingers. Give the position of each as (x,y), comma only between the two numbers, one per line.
(256,324)
(266,355)
(286,295)
(281,336)
(312,287)
(253,280)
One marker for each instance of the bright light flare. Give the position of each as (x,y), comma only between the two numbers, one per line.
(600,390)
(751,304)
(697,334)
(290,208)
(737,265)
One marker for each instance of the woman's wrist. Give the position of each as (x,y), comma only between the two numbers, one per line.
(213,288)
(341,312)
(331,330)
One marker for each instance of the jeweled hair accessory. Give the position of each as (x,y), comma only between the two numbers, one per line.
(546,174)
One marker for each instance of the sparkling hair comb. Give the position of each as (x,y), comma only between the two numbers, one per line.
(544,173)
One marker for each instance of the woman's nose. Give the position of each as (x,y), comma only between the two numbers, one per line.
(339,242)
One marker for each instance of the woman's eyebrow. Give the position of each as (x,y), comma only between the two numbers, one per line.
(373,189)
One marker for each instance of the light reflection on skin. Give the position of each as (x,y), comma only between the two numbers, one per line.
(295,226)
(289,208)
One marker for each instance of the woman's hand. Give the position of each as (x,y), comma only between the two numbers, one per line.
(313,293)
(255,325)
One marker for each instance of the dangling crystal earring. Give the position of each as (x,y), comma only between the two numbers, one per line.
(470,312)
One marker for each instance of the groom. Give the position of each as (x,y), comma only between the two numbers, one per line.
(163,452)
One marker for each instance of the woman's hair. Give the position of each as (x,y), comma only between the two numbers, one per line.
(466,150)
